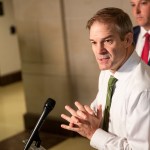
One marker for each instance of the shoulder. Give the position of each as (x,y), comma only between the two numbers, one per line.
(136,31)
(142,76)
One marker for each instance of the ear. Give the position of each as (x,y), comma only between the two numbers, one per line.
(128,39)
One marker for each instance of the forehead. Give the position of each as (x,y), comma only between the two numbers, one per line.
(99,29)
(138,1)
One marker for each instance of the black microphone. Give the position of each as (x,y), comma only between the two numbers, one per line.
(49,105)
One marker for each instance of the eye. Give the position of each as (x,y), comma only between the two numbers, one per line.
(132,5)
(93,42)
(144,2)
(108,41)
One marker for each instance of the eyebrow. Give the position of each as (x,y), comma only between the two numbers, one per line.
(139,1)
(103,39)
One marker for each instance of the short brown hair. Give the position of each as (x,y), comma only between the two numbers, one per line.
(113,16)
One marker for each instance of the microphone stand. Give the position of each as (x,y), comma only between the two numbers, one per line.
(49,105)
(35,143)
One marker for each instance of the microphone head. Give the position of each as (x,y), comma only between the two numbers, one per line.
(49,104)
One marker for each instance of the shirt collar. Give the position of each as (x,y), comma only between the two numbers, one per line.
(128,66)
(143,32)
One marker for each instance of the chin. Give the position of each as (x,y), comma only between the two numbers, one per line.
(103,68)
(141,23)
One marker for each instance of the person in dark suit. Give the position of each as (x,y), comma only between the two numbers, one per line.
(141,13)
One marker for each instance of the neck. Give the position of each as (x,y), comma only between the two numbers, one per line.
(128,54)
(147,28)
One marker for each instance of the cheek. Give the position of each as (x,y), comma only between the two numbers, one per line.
(94,51)
(147,14)
(133,11)
(118,53)
(146,11)
(113,50)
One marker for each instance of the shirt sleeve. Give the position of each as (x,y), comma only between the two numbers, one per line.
(102,140)
(137,128)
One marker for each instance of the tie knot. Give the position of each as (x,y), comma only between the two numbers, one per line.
(112,81)
(147,35)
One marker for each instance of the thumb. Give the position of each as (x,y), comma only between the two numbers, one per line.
(99,112)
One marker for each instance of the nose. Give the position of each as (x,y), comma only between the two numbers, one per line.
(138,9)
(100,48)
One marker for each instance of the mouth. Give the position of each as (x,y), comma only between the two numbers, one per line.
(103,57)
(139,17)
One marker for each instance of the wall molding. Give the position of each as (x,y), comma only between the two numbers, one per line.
(10,78)
(51,125)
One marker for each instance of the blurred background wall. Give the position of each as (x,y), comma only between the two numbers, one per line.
(55,52)
(9,48)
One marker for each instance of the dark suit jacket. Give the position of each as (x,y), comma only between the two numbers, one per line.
(136,31)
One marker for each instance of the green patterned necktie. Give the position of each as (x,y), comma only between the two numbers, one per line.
(111,83)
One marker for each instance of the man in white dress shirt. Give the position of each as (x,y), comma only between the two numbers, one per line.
(141,13)
(111,36)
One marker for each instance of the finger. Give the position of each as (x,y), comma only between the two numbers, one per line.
(81,114)
(79,106)
(71,124)
(71,119)
(72,111)
(75,129)
(67,118)
(89,110)
(74,120)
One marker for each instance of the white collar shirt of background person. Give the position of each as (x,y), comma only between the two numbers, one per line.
(141,41)
(129,123)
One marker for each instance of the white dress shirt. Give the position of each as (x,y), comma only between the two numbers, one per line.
(129,124)
(141,41)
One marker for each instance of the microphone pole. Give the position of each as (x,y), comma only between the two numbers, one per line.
(49,105)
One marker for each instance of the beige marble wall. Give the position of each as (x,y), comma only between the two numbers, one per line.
(43,53)
(57,60)
(9,49)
